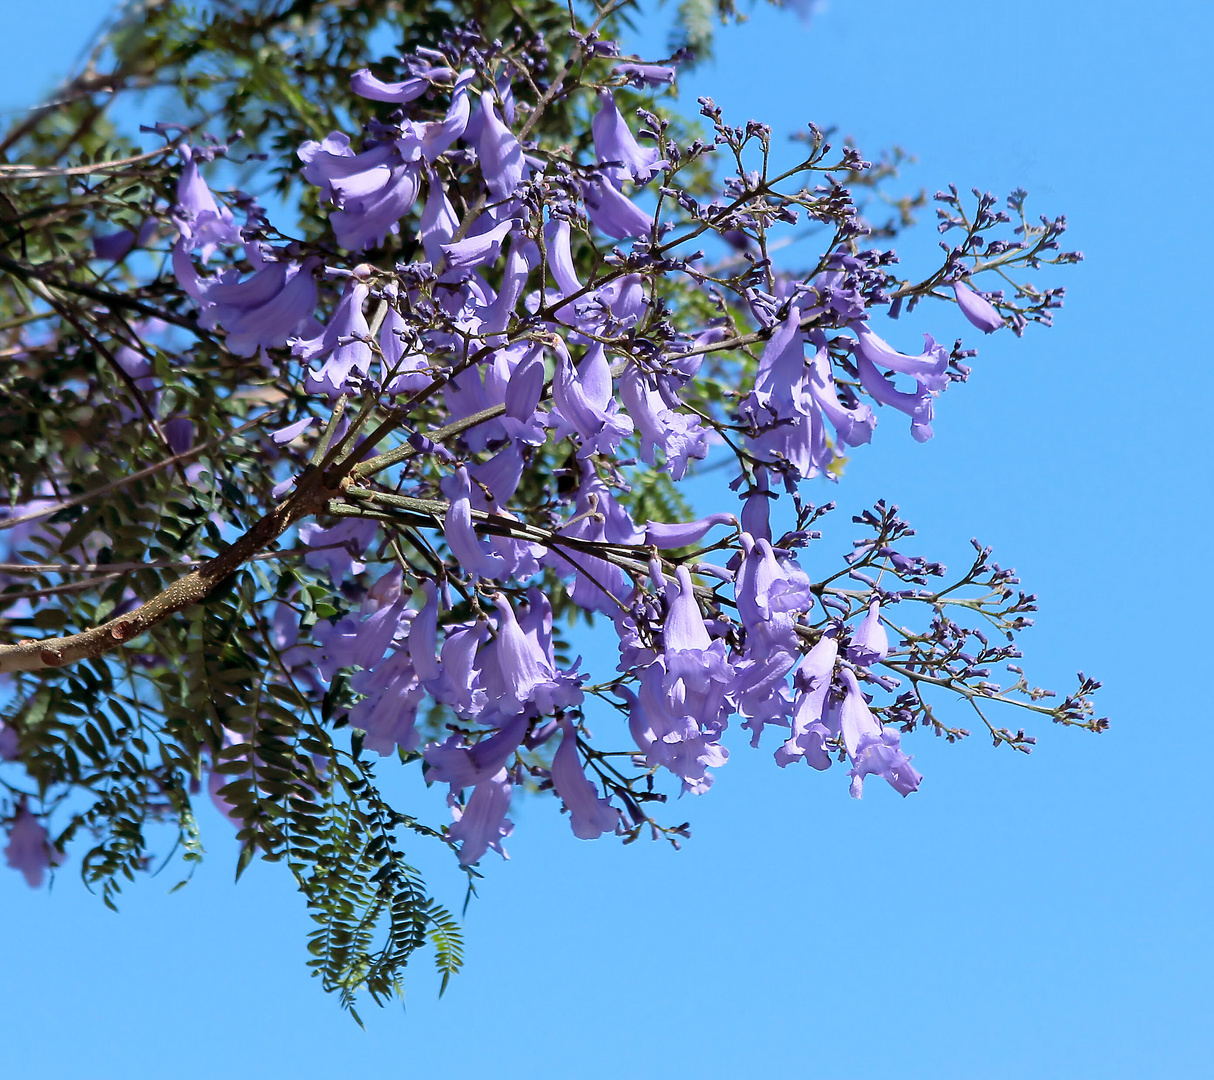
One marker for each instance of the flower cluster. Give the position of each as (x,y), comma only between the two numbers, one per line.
(496,343)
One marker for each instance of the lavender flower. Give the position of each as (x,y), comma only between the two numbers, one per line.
(645,74)
(203,224)
(589,815)
(343,342)
(810,728)
(870,642)
(872,748)
(585,403)
(29,849)
(615,147)
(613,213)
(367,85)
(680,436)
(977,308)
(501,157)
(918,406)
(261,312)
(482,823)
(388,711)
(931,368)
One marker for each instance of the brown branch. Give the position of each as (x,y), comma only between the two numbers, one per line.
(36,655)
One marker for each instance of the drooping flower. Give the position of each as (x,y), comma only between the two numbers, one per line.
(612,212)
(918,406)
(29,850)
(203,224)
(616,148)
(870,642)
(482,823)
(388,711)
(518,671)
(782,405)
(930,367)
(343,344)
(585,403)
(589,815)
(261,312)
(680,436)
(452,762)
(502,165)
(809,732)
(353,642)
(873,749)
(429,140)
(472,553)
(372,190)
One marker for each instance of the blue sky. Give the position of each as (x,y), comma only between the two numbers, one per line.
(1042,917)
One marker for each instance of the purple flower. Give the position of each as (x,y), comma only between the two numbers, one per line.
(668,734)
(919,406)
(388,710)
(261,312)
(340,173)
(373,190)
(114,246)
(613,213)
(977,308)
(479,248)
(598,585)
(809,732)
(356,643)
(683,703)
(684,533)
(431,140)
(872,748)
(439,220)
(930,368)
(482,823)
(29,849)
(367,85)
(451,762)
(589,815)
(337,547)
(501,157)
(343,342)
(199,218)
(494,318)
(585,403)
(616,148)
(365,222)
(524,420)
(179,433)
(8,742)
(518,671)
(756,510)
(770,592)
(680,436)
(645,74)
(783,407)
(560,264)
(470,551)
(854,426)
(870,642)
(457,683)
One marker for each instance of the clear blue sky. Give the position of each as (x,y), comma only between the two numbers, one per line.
(1044,917)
